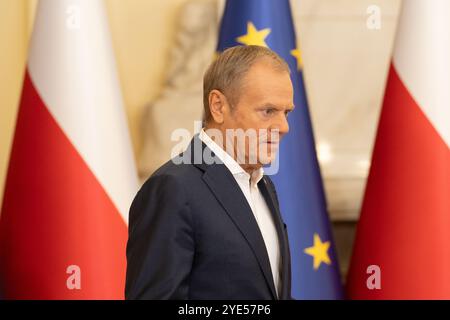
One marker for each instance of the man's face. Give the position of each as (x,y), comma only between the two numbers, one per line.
(265,99)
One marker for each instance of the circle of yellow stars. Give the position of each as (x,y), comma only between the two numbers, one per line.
(258,38)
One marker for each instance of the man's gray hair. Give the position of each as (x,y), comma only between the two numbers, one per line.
(227,71)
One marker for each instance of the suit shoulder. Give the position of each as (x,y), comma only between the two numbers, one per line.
(178,173)
(169,184)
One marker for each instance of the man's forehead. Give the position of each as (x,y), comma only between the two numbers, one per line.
(265,82)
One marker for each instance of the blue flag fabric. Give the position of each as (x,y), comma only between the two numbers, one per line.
(315,269)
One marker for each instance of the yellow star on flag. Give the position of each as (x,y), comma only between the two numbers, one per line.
(319,251)
(254,36)
(298,55)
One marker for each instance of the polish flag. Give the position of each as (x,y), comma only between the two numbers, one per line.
(402,245)
(71,177)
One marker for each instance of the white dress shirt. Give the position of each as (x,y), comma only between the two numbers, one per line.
(261,212)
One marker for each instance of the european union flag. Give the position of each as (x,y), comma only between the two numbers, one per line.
(315,270)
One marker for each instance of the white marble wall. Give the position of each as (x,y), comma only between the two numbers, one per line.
(345,68)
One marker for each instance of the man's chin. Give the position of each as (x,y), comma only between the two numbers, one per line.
(268,152)
(267,159)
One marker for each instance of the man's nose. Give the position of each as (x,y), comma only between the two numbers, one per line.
(283,125)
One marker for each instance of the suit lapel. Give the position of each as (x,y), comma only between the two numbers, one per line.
(227,192)
(270,197)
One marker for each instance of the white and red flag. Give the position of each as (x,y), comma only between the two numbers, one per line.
(71,176)
(404,228)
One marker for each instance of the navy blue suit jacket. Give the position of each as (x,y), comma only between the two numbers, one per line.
(192,235)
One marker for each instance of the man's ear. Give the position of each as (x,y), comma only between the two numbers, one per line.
(217,105)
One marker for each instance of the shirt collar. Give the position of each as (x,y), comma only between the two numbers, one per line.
(236,170)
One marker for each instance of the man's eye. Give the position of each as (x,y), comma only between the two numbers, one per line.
(268,112)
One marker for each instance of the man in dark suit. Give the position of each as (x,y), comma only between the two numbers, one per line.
(207,224)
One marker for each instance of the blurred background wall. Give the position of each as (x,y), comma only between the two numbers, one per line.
(345,63)
(13,45)
(142,33)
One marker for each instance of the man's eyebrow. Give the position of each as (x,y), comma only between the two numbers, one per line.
(270,105)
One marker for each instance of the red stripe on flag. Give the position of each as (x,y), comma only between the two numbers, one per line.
(405,221)
(56,214)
